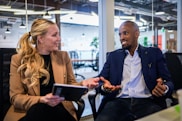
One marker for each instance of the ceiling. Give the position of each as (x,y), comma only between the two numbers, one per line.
(139,8)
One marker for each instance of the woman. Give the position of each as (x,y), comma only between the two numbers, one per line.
(36,66)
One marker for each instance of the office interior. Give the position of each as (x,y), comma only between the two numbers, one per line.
(90,27)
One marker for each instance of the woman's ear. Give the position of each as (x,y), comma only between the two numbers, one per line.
(40,39)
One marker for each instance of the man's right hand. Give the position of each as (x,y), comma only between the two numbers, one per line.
(108,87)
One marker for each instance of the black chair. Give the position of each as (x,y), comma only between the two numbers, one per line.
(76,64)
(95,64)
(5,59)
(92,101)
(81,107)
(174,64)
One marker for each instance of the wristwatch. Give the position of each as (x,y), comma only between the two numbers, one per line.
(105,89)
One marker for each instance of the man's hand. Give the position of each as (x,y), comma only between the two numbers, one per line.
(160,88)
(108,87)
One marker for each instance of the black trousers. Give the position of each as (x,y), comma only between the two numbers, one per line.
(128,109)
(44,112)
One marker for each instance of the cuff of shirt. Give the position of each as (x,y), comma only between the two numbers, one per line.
(167,89)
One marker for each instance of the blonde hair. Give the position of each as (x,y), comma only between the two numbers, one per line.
(32,64)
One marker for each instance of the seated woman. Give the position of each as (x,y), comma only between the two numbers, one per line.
(37,65)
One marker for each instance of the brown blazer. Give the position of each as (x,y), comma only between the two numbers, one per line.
(20,90)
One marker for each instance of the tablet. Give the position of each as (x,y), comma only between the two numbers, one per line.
(69,92)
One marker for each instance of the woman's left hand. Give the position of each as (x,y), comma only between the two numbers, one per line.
(51,100)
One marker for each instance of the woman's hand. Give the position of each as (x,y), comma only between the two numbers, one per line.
(51,100)
(91,82)
(108,87)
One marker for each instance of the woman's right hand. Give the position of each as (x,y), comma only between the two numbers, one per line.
(51,100)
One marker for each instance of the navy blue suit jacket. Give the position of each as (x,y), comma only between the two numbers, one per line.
(153,67)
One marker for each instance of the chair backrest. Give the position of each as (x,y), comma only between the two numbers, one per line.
(5,60)
(76,64)
(73,55)
(174,64)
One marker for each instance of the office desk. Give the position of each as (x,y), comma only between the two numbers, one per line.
(85,60)
(80,63)
(169,114)
(85,63)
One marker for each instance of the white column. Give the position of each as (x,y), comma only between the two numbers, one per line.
(106,29)
(179,26)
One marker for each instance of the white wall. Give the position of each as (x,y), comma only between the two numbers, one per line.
(10,40)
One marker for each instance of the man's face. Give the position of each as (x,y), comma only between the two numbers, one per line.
(128,36)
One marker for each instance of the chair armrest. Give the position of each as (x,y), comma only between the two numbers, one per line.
(92,101)
(81,106)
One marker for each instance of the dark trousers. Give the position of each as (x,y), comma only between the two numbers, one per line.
(128,109)
(44,112)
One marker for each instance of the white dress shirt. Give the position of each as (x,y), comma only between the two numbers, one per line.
(133,84)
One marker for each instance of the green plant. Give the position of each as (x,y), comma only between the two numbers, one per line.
(95,42)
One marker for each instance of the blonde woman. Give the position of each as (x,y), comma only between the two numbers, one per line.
(36,66)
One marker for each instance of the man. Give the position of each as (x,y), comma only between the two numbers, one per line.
(135,79)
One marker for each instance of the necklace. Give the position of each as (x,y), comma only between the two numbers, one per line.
(47,62)
(48,65)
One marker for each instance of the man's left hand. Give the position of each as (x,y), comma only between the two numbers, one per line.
(159,89)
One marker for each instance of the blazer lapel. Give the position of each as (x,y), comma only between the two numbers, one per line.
(36,89)
(58,69)
(121,55)
(145,60)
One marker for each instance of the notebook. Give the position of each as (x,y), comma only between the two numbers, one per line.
(69,92)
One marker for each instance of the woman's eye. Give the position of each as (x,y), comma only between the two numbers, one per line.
(54,35)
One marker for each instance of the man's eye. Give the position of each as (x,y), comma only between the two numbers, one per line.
(125,33)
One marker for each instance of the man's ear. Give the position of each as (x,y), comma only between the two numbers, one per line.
(137,33)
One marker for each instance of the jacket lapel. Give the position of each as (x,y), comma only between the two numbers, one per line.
(58,69)
(122,54)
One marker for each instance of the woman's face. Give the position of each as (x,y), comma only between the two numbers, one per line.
(50,41)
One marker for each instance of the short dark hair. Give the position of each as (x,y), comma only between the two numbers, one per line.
(131,23)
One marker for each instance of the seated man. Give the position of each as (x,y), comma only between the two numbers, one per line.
(135,79)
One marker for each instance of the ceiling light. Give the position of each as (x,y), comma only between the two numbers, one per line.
(46,15)
(5,6)
(93,0)
(22,26)
(159,11)
(7,31)
(170,30)
(43,12)
(94,14)
(12,10)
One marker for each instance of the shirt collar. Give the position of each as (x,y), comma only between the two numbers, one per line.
(136,50)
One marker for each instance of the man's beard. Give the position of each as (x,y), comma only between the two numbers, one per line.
(126,47)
